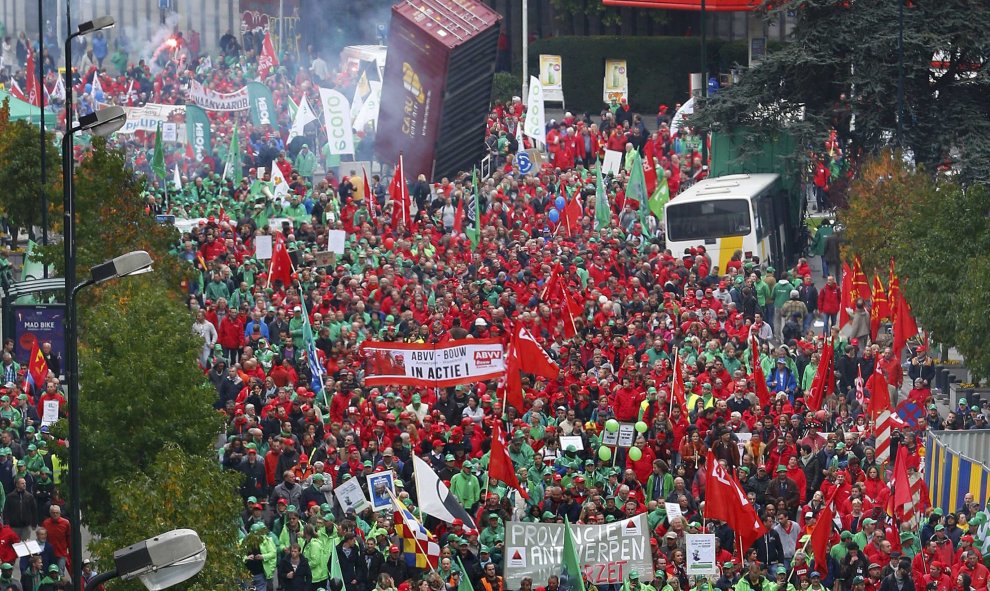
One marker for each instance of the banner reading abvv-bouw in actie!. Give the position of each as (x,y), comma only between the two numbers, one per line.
(453,363)
(606,552)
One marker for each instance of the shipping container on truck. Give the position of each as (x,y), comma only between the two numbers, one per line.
(438,84)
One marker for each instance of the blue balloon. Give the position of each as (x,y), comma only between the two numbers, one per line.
(99,96)
(89,88)
(554,216)
(559,202)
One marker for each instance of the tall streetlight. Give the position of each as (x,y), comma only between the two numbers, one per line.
(103,122)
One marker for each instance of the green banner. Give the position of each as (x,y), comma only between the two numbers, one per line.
(198,132)
(262,104)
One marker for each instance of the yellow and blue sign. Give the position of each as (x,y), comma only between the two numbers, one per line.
(950,475)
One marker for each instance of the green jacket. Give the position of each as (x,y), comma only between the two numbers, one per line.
(781,293)
(305,164)
(269,555)
(317,552)
(764,584)
(296,331)
(466,488)
(762,292)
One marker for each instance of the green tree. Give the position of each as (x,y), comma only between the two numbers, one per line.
(141,387)
(851,48)
(178,490)
(20,152)
(941,256)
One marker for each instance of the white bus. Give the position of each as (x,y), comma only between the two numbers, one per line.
(749,213)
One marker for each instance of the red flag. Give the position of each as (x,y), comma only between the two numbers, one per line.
(572,310)
(726,501)
(368,196)
(901,495)
(398,191)
(879,394)
(31,82)
(459,217)
(821,385)
(880,308)
(649,172)
(267,59)
(281,265)
(37,366)
(15,90)
(571,216)
(847,295)
(532,357)
(893,291)
(678,393)
(861,286)
(500,464)
(904,326)
(511,382)
(762,391)
(821,535)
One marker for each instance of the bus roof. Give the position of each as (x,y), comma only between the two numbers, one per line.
(729,186)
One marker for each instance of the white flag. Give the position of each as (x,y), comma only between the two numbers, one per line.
(58,93)
(278,180)
(176,178)
(97,86)
(536,122)
(369,109)
(337,118)
(304,116)
(434,497)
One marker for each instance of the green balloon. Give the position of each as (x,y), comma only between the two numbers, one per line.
(611,425)
(635,454)
(641,427)
(605,454)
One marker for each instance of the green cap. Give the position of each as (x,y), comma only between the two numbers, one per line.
(781,468)
(634,574)
(846,535)
(257,527)
(548,515)
(7,566)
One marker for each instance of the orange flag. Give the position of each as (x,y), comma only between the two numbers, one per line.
(860,284)
(880,310)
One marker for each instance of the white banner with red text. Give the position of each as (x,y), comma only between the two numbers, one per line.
(442,365)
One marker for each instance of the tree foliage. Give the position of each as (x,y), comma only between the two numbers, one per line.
(20,175)
(141,387)
(884,189)
(852,47)
(178,491)
(938,232)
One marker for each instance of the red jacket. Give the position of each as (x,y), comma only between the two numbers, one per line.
(7,540)
(230,334)
(59,532)
(829,299)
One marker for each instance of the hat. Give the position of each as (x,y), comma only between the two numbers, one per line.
(781,468)
(846,535)
(53,568)
(780,570)
(869,521)
(393,548)
(671,535)
(816,575)
(8,566)
(873,565)
(940,527)
(857,580)
(634,574)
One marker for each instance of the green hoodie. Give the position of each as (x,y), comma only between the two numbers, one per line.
(317,552)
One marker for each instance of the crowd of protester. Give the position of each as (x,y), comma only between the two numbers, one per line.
(643,309)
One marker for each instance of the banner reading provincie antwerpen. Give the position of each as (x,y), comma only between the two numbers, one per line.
(452,363)
(605,552)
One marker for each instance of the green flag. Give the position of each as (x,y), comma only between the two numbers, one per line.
(335,572)
(636,189)
(232,167)
(570,574)
(660,196)
(463,583)
(158,158)
(603,213)
(474,234)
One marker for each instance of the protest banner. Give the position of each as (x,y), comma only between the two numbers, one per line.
(550,77)
(148,117)
(606,552)
(351,496)
(212,100)
(700,555)
(452,363)
(381,489)
(625,436)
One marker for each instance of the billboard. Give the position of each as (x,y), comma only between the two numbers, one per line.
(39,323)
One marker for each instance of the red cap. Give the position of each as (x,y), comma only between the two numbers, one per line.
(457,521)
(303,459)
(393,548)
(282,502)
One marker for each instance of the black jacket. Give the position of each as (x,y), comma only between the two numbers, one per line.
(21,510)
(352,568)
(302,575)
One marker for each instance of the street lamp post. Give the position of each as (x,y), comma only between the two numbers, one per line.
(102,122)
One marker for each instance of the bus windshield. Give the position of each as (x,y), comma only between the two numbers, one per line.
(702,220)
